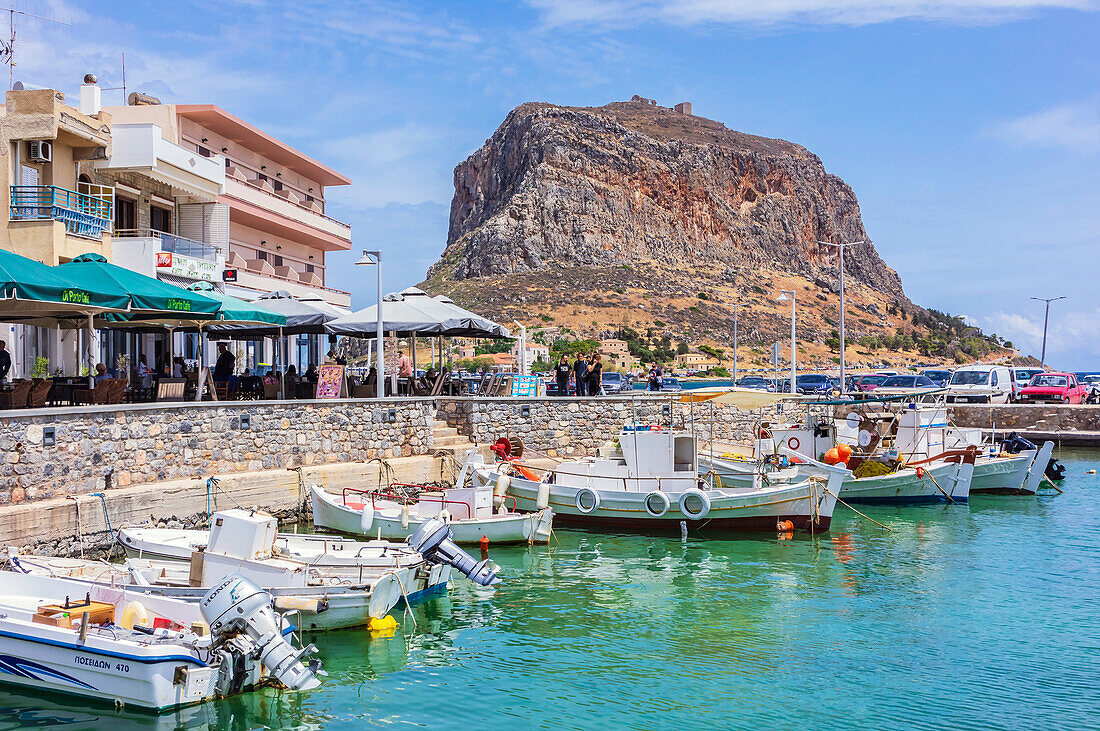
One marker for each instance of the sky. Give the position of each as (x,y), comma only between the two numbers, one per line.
(969,129)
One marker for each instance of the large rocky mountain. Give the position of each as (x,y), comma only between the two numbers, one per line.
(639,215)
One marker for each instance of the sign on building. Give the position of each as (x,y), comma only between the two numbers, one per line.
(186,266)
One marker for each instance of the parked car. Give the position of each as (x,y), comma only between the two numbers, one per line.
(813,383)
(906,382)
(936,376)
(866,382)
(669,383)
(1021,377)
(757,382)
(615,382)
(982,384)
(1056,388)
(552,388)
(1090,381)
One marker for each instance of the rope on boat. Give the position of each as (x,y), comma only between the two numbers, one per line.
(856,511)
(79,528)
(933,479)
(106,517)
(404,595)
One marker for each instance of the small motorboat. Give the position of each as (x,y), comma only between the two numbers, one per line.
(649,481)
(131,649)
(468,511)
(345,586)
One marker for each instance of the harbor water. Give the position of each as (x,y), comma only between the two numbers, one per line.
(979,616)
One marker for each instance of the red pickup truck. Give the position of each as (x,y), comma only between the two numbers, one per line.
(1055,388)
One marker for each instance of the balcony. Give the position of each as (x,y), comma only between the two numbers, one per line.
(173,243)
(268,211)
(85,216)
(164,255)
(141,148)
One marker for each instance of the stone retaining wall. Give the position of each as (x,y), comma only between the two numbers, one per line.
(573,427)
(103,447)
(1020,417)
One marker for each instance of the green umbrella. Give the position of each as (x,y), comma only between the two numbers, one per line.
(147,294)
(33,290)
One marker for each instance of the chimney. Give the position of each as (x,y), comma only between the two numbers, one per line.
(90,99)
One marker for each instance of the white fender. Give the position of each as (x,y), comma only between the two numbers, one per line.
(445,515)
(366,519)
(662,500)
(594,498)
(405,515)
(694,492)
(501,489)
(542,499)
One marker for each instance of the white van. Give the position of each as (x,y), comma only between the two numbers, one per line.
(982,384)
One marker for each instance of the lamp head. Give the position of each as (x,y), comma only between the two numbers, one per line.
(783,298)
(367,259)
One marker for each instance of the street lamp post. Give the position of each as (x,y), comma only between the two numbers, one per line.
(783,298)
(736,307)
(374,258)
(840,248)
(1046,317)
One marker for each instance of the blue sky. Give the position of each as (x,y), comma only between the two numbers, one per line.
(969,129)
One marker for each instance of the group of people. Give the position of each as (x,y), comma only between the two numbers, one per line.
(585,373)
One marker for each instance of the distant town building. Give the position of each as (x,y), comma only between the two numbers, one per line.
(683,108)
(697,361)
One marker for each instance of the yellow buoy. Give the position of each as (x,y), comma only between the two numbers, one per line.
(379,625)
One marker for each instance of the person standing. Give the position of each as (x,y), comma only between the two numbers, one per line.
(561,373)
(595,376)
(223,368)
(654,382)
(5,361)
(580,374)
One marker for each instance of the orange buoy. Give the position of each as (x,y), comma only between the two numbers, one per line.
(844,451)
(485,546)
(785,526)
(831,457)
(920,473)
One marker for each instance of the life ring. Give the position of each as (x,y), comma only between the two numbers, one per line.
(591,495)
(793,443)
(694,492)
(662,500)
(134,613)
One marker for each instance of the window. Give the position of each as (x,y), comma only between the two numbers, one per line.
(125,217)
(277,260)
(993,378)
(261,255)
(278,185)
(228,163)
(309,268)
(261,176)
(204,151)
(160,219)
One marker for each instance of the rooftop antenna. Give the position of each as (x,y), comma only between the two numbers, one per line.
(123,87)
(7,47)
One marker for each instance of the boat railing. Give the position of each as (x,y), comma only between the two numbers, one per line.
(951,455)
(389,494)
(558,471)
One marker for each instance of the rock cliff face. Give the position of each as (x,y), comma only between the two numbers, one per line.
(633,183)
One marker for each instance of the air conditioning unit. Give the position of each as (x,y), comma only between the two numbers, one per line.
(41,151)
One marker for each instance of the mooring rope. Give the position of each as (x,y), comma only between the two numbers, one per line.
(856,511)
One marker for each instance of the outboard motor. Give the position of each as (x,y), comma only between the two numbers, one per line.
(1055,471)
(434,541)
(242,621)
(1016,444)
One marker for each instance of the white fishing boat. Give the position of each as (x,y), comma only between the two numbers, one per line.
(345,585)
(468,511)
(63,636)
(650,482)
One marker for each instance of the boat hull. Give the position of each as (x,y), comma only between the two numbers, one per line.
(63,666)
(808,506)
(527,528)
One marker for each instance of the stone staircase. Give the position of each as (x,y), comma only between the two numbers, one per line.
(447,439)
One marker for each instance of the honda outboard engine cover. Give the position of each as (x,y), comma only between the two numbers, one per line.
(434,541)
(237,607)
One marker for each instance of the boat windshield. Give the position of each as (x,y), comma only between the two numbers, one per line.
(1048,381)
(970,378)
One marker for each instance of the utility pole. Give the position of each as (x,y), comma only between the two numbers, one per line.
(1046,317)
(736,307)
(840,248)
(794,356)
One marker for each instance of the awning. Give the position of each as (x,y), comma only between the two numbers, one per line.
(301,319)
(741,398)
(414,312)
(147,294)
(32,290)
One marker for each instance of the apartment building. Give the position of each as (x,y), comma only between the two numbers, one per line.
(54,211)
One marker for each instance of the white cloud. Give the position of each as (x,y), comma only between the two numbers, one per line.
(817,12)
(1074,127)
(1073,338)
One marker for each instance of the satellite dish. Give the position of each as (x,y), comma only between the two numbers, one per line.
(852,420)
(864,438)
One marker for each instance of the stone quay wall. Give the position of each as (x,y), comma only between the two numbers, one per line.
(1027,417)
(96,448)
(574,427)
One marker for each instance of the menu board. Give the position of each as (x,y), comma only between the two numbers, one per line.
(525,386)
(330,381)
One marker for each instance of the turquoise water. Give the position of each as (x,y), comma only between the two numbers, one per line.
(984,616)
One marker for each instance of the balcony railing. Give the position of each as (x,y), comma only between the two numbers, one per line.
(176,244)
(83,215)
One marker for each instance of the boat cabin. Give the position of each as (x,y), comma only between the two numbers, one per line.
(640,459)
